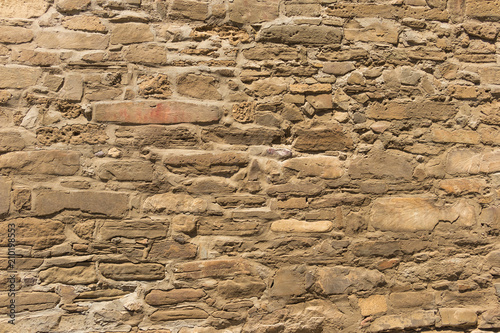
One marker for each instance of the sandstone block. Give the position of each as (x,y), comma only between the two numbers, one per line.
(18,76)
(146,54)
(297,226)
(74,275)
(29,301)
(485,9)
(485,30)
(161,297)
(241,287)
(132,229)
(418,299)
(217,163)
(303,34)
(338,68)
(156,136)
(113,204)
(322,139)
(174,203)
(49,162)
(457,317)
(289,281)
(72,5)
(215,225)
(490,75)
(262,11)
(252,135)
(372,305)
(263,52)
(460,186)
(155,112)
(5,187)
(376,248)
(84,23)
(180,314)
(372,30)
(337,199)
(126,171)
(316,88)
(217,268)
(15,35)
(53,39)
(412,320)
(72,89)
(489,113)
(328,167)
(37,58)
(430,110)
(469,161)
(490,319)
(457,136)
(211,185)
(132,272)
(199,86)
(11,140)
(320,102)
(40,234)
(268,87)
(383,164)
(23,9)
(164,251)
(187,9)
(299,188)
(184,223)
(130,33)
(337,280)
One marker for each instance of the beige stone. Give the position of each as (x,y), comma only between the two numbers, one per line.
(29,301)
(394,110)
(18,76)
(470,161)
(131,272)
(298,188)
(132,229)
(213,268)
(339,279)
(161,297)
(382,164)
(40,234)
(412,299)
(214,163)
(456,136)
(413,320)
(241,286)
(300,34)
(146,54)
(74,275)
(129,33)
(457,317)
(5,188)
(322,139)
(174,203)
(23,9)
(269,87)
(262,11)
(372,305)
(15,35)
(328,167)
(372,30)
(37,58)
(72,5)
(199,86)
(165,251)
(126,171)
(489,9)
(185,313)
(49,162)
(184,223)
(84,23)
(297,226)
(187,9)
(54,39)
(460,186)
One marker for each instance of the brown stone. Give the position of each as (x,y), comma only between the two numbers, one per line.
(164,251)
(146,54)
(199,86)
(457,136)
(375,304)
(215,225)
(72,5)
(180,314)
(241,287)
(429,110)
(72,134)
(126,171)
(11,140)
(413,320)
(154,86)
(413,299)
(132,272)
(130,33)
(40,234)
(320,102)
(382,164)
(5,188)
(482,30)
(324,167)
(458,317)
(74,275)
(187,9)
(460,186)
(38,58)
(490,319)
(221,268)
(338,280)
(376,248)
(297,226)
(322,139)
(216,163)
(265,52)
(29,301)
(316,88)
(485,9)
(50,162)
(210,185)
(244,112)
(490,75)
(252,135)
(15,35)
(175,296)
(18,76)
(155,112)
(268,87)
(132,229)
(262,11)
(53,39)
(84,23)
(298,188)
(184,223)
(23,9)
(371,30)
(113,204)
(300,34)
(469,161)
(338,68)
(156,136)
(174,203)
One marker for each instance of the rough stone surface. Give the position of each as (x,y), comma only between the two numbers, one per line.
(18,77)
(128,271)
(50,162)
(54,39)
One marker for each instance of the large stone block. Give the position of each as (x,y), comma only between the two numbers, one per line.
(199,86)
(54,39)
(382,164)
(420,109)
(483,9)
(132,229)
(339,279)
(161,297)
(23,9)
(402,322)
(157,136)
(174,203)
(328,167)
(189,9)
(298,188)
(132,272)
(40,234)
(297,226)
(5,187)
(73,275)
(72,5)
(179,314)
(124,170)
(18,76)
(458,317)
(112,204)
(165,251)
(49,162)
(11,140)
(251,135)
(261,11)
(372,30)
(214,163)
(300,34)
(155,112)
(146,54)
(218,268)
(322,139)
(15,35)
(470,161)
(490,75)
(29,301)
(129,33)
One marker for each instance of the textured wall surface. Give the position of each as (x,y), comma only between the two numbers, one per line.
(295,166)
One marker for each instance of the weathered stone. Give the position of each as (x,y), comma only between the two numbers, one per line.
(299,188)
(54,39)
(74,275)
(322,139)
(210,185)
(29,301)
(49,162)
(320,102)
(372,30)
(146,54)
(15,35)
(23,9)
(37,58)
(174,203)
(155,112)
(324,167)
(456,136)
(337,280)
(199,86)
(84,23)
(154,86)
(429,110)
(40,234)
(130,33)
(468,161)
(72,5)
(383,164)
(5,187)
(460,186)
(156,136)
(132,272)
(262,11)
(132,229)
(300,34)
(316,88)
(457,317)
(417,299)
(180,314)
(376,248)
(372,305)
(269,87)
(485,9)
(222,226)
(217,163)
(264,52)
(72,90)
(164,251)
(100,295)
(105,203)
(244,112)
(241,286)
(411,320)
(490,319)
(187,9)
(175,296)
(486,31)
(213,268)
(297,226)
(184,223)
(126,171)
(243,136)
(289,281)
(490,75)
(338,68)
(18,76)
(76,134)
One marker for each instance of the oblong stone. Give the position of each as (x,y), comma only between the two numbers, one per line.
(292,225)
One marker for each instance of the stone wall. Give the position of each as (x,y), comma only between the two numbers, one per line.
(293,166)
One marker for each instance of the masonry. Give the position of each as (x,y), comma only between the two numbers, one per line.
(237,166)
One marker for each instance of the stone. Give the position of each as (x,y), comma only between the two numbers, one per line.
(187,9)
(17,77)
(213,163)
(180,314)
(297,226)
(267,52)
(73,275)
(29,301)
(469,161)
(165,251)
(322,139)
(374,304)
(288,281)
(72,90)
(174,203)
(154,86)
(77,40)
(371,30)
(199,86)
(252,135)
(298,188)
(113,204)
(5,188)
(338,68)
(483,9)
(313,9)
(40,234)
(327,167)
(175,296)
(72,5)
(316,88)
(382,164)
(490,319)
(320,102)
(300,34)
(337,199)
(72,134)
(149,54)
(268,87)
(38,58)
(413,320)
(49,162)
(490,75)
(457,317)
(413,299)
(457,136)
(244,112)
(216,268)
(132,229)
(132,272)
(130,33)
(241,287)
(485,30)
(459,186)
(15,35)
(376,248)
(262,11)
(155,112)
(211,185)
(338,280)
(438,111)
(126,171)
(23,9)
(84,23)
(173,136)
(184,223)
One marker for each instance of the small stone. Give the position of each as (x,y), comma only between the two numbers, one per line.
(372,305)
(301,226)
(129,33)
